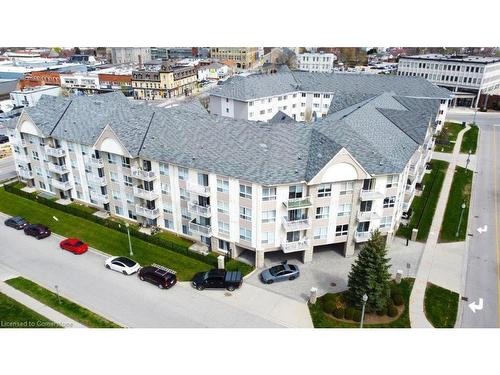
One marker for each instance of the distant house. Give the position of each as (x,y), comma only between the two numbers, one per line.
(213,71)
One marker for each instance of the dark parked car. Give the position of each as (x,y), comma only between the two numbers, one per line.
(162,277)
(215,278)
(283,271)
(3,139)
(16,222)
(38,231)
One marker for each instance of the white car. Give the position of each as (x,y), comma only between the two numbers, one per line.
(121,264)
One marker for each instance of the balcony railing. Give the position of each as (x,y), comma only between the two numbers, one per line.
(361,236)
(198,189)
(55,152)
(61,169)
(290,247)
(145,194)
(147,212)
(98,197)
(62,185)
(367,215)
(195,208)
(99,181)
(296,203)
(205,230)
(298,224)
(25,174)
(142,174)
(368,195)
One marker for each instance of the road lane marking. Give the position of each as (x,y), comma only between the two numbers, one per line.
(482,229)
(476,306)
(496,219)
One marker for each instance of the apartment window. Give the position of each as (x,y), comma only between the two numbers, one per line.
(227,110)
(250,114)
(183,173)
(294,105)
(268,193)
(284,97)
(125,162)
(245,191)
(35,155)
(262,112)
(267,238)
(185,230)
(165,189)
(183,193)
(344,209)
(326,96)
(118,210)
(115,194)
(164,171)
(223,228)
(71,146)
(130,198)
(320,233)
(185,213)
(322,212)
(42,185)
(303,94)
(111,158)
(295,191)
(268,216)
(113,176)
(341,230)
(316,105)
(345,188)
(169,224)
(245,234)
(127,180)
(222,185)
(269,110)
(246,213)
(223,207)
(250,104)
(38,171)
(389,201)
(324,190)
(385,222)
(392,181)
(167,208)
(317,95)
(294,95)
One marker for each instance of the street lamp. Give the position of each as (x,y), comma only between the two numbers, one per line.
(460,221)
(129,242)
(365,299)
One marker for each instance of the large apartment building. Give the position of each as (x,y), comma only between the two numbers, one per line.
(468,77)
(130,55)
(316,62)
(237,185)
(244,57)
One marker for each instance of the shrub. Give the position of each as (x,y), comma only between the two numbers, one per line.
(398,300)
(357,316)
(329,306)
(339,313)
(382,312)
(332,298)
(392,311)
(349,313)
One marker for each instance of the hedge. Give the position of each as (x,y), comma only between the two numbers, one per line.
(112,225)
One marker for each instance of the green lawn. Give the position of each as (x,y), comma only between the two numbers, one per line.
(469,140)
(460,192)
(100,237)
(83,208)
(15,315)
(424,206)
(321,320)
(441,306)
(453,130)
(178,240)
(66,307)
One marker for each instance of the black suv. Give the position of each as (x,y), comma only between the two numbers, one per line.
(162,277)
(38,231)
(16,222)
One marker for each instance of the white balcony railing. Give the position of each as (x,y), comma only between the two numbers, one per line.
(198,189)
(367,215)
(147,212)
(196,209)
(361,236)
(25,174)
(96,180)
(290,247)
(142,174)
(61,169)
(55,152)
(297,203)
(145,194)
(368,195)
(205,230)
(62,185)
(293,225)
(98,197)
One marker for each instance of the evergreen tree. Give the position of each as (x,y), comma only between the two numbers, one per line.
(370,274)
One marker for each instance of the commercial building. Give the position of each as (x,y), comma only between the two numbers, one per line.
(316,62)
(82,82)
(34,79)
(237,185)
(31,95)
(127,55)
(470,78)
(244,57)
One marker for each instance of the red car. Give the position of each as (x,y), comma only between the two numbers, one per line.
(74,245)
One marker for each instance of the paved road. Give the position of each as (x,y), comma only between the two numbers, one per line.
(7,168)
(482,276)
(133,303)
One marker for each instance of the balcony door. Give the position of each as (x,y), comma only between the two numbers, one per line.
(202,179)
(363,226)
(293,236)
(295,192)
(369,184)
(203,201)
(366,206)
(296,215)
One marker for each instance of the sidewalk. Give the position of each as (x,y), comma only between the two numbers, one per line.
(417,314)
(38,307)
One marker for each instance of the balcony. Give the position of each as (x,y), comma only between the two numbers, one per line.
(96,180)
(55,152)
(56,168)
(145,194)
(369,195)
(297,203)
(361,236)
(96,162)
(290,247)
(367,215)
(141,174)
(98,197)
(204,230)
(298,224)
(25,174)
(150,213)
(61,185)
(198,189)
(196,209)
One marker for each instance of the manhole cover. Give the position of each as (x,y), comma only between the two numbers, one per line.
(465,299)
(227,294)
(333,284)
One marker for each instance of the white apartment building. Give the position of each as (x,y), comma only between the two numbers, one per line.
(29,96)
(130,55)
(88,82)
(230,184)
(468,77)
(316,62)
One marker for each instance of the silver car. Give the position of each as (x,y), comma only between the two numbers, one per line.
(283,271)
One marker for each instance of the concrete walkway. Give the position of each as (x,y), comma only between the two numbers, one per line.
(417,314)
